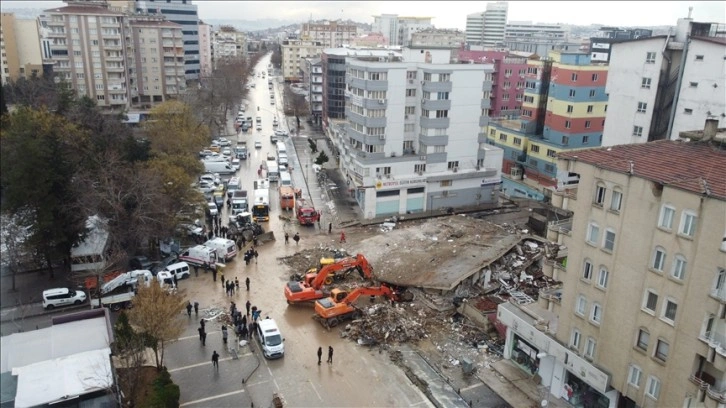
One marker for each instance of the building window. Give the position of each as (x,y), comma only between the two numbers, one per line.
(594,77)
(634,375)
(589,108)
(592,93)
(699,57)
(565,140)
(651,301)
(653,389)
(570,108)
(596,313)
(587,270)
(616,201)
(411,92)
(503,137)
(661,350)
(687,111)
(551,153)
(586,139)
(593,233)
(645,83)
(573,76)
(534,148)
(442,113)
(590,348)
(581,305)
(444,77)
(719,284)
(442,96)
(517,141)
(688,223)
(659,257)
(602,277)
(670,309)
(568,124)
(650,58)
(637,131)
(445,183)
(693,84)
(453,165)
(679,267)
(575,339)
(643,340)
(667,214)
(642,107)
(599,197)
(572,93)
(609,240)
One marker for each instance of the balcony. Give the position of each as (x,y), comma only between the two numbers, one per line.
(484,121)
(486,103)
(114,58)
(429,86)
(436,123)
(486,86)
(432,104)
(719,294)
(715,341)
(717,395)
(112,68)
(562,227)
(481,137)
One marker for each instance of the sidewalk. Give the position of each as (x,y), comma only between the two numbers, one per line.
(515,386)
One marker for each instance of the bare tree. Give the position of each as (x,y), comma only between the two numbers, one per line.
(129,351)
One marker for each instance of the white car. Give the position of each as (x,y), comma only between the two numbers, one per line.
(223,141)
(259,127)
(280,132)
(227,152)
(212,209)
(235,164)
(258,145)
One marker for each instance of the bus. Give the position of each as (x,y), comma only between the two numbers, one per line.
(261,205)
(90,254)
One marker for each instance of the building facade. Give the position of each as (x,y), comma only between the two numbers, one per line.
(488,28)
(205,49)
(542,46)
(313,79)
(329,34)
(508,79)
(293,54)
(600,45)
(398,30)
(663,85)
(527,30)
(433,37)
(21,52)
(228,44)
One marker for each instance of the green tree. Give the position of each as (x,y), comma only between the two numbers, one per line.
(173,130)
(129,350)
(322,158)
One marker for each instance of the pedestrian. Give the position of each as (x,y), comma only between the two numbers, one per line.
(236,283)
(196,308)
(239,244)
(189,308)
(330,228)
(254,252)
(296,238)
(248,305)
(196,270)
(287,238)
(243,320)
(319,227)
(224,339)
(254,240)
(215,360)
(244,241)
(175,280)
(204,338)
(221,277)
(247,283)
(330,354)
(244,332)
(202,323)
(214,274)
(320,354)
(201,332)
(342,237)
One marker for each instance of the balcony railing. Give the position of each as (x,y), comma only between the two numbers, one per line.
(718,395)
(719,293)
(715,341)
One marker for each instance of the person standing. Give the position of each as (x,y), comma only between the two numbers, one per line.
(248,305)
(342,237)
(204,338)
(296,238)
(215,360)
(330,228)
(221,276)
(224,335)
(287,238)
(236,284)
(196,308)
(214,274)
(189,308)
(201,324)
(247,283)
(201,332)
(254,252)
(330,354)
(320,354)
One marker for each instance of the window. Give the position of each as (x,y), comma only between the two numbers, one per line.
(551,153)
(637,131)
(383,170)
(565,140)
(503,137)
(643,340)
(453,165)
(574,76)
(593,233)
(411,92)
(688,223)
(419,168)
(642,107)
(517,141)
(596,313)
(581,305)
(602,277)
(568,124)
(659,257)
(570,108)
(586,139)
(575,339)
(590,348)
(572,93)
(594,77)
(444,77)
(693,84)
(679,267)
(445,183)
(699,57)
(653,389)
(616,200)
(650,58)
(589,108)
(634,376)
(670,310)
(720,284)
(534,148)
(442,113)
(609,240)
(645,83)
(587,270)
(592,93)
(411,74)
(661,350)
(650,301)
(687,111)
(442,96)
(666,217)
(599,198)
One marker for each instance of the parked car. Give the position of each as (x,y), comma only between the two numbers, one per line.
(258,145)
(139,262)
(212,209)
(205,153)
(273,138)
(259,127)
(223,141)
(235,164)
(227,152)
(279,133)
(62,297)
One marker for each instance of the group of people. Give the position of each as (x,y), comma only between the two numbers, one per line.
(295,238)
(250,254)
(330,354)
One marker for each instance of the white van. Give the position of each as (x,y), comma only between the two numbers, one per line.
(226,248)
(199,255)
(273,172)
(282,160)
(62,297)
(281,148)
(270,338)
(179,269)
(285,179)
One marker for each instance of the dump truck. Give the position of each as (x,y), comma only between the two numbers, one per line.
(310,288)
(339,306)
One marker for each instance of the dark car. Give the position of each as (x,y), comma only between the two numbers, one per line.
(171,259)
(140,262)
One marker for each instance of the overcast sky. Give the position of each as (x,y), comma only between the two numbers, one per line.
(452,14)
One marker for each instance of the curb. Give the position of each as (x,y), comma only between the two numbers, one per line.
(9,317)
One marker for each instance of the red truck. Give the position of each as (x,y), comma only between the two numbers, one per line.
(306,213)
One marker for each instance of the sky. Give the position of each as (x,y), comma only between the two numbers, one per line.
(452,14)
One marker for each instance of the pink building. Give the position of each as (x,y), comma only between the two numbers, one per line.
(507,80)
(369,40)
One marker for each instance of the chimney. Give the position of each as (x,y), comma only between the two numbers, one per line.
(710,129)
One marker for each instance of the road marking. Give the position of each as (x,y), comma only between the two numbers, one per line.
(257,383)
(471,387)
(196,335)
(315,389)
(198,365)
(211,398)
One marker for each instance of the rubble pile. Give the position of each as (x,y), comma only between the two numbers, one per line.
(301,261)
(385,324)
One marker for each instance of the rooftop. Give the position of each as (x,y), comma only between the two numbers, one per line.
(78,9)
(668,162)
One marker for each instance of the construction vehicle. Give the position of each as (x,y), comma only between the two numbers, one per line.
(305,213)
(339,306)
(118,293)
(310,288)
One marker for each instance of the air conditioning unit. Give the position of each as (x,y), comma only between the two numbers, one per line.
(382,137)
(455,169)
(445,193)
(382,101)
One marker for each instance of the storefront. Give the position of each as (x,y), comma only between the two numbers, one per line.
(524,355)
(580,395)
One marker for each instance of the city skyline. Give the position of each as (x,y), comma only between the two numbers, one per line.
(639,13)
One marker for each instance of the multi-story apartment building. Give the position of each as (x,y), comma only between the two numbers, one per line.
(543,45)
(488,28)
(600,45)
(205,49)
(293,53)
(508,78)
(155,60)
(409,142)
(433,37)
(527,29)
(662,85)
(398,30)
(228,44)
(369,40)
(640,317)
(181,12)
(330,34)
(21,53)
(563,109)
(313,79)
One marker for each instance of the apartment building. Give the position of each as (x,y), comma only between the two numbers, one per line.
(397,30)
(369,40)
(640,317)
(488,28)
(600,45)
(329,33)
(293,54)
(529,30)
(508,78)
(205,49)
(541,46)
(155,60)
(228,44)
(433,37)
(182,12)
(20,43)
(313,80)
(409,142)
(663,85)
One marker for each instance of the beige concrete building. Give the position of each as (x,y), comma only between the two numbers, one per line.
(330,34)
(293,54)
(205,49)
(640,317)
(228,44)
(438,38)
(20,43)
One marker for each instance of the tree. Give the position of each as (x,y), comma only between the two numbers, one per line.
(173,130)
(295,104)
(129,349)
(156,313)
(39,92)
(14,239)
(322,158)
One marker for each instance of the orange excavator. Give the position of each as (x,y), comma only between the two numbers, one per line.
(339,306)
(309,289)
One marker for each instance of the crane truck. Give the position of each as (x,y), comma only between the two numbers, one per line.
(339,306)
(306,213)
(310,288)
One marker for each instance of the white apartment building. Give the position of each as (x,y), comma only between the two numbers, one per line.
(398,30)
(20,42)
(205,49)
(410,142)
(228,44)
(487,28)
(293,53)
(527,29)
(433,37)
(329,33)
(313,79)
(663,85)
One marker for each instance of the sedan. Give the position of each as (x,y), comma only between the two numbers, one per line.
(258,145)
(259,127)
(280,132)
(223,141)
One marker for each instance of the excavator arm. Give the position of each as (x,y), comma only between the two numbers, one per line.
(367,291)
(359,262)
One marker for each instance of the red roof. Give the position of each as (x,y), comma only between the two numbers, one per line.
(690,166)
